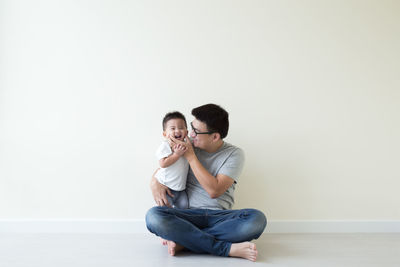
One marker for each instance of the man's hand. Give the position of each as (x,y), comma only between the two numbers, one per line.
(160,192)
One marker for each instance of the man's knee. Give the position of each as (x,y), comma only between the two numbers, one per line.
(260,221)
(256,223)
(154,219)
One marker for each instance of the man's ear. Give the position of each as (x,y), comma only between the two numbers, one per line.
(216,137)
(164,133)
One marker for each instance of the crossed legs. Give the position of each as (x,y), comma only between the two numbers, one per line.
(218,232)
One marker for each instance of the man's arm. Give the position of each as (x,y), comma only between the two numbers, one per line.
(214,185)
(159,192)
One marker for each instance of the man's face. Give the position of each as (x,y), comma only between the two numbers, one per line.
(200,140)
(175,128)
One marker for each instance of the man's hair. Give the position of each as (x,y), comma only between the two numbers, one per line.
(215,117)
(173,115)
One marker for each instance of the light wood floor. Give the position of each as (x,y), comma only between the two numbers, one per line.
(58,250)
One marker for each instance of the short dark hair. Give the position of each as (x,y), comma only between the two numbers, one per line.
(215,117)
(172,115)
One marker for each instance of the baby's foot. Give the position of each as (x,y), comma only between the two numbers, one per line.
(173,247)
(163,241)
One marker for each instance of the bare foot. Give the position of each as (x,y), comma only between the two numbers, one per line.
(163,241)
(246,250)
(173,247)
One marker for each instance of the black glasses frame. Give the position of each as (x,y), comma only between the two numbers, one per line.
(197,132)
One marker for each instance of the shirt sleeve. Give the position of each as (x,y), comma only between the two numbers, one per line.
(164,150)
(233,165)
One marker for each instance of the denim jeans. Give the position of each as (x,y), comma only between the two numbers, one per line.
(206,231)
(180,199)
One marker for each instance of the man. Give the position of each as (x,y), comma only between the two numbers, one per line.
(209,225)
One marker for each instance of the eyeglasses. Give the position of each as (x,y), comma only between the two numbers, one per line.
(197,132)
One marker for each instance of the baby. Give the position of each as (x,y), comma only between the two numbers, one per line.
(174,167)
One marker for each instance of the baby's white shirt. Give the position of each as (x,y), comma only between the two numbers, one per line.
(175,175)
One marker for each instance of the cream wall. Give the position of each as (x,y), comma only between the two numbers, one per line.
(312,88)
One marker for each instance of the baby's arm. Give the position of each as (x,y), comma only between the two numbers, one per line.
(179,150)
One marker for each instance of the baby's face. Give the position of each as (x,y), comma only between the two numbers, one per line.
(175,128)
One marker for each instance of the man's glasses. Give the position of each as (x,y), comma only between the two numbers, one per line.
(197,131)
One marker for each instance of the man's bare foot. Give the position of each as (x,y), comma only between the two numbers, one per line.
(173,247)
(246,250)
(163,241)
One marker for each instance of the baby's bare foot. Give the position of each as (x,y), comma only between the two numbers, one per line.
(163,241)
(173,247)
(246,250)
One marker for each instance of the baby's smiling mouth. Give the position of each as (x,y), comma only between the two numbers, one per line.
(178,136)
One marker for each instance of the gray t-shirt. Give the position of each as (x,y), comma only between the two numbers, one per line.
(227,160)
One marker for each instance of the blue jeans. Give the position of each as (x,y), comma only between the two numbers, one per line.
(180,199)
(206,231)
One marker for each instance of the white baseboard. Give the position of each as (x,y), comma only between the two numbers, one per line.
(73,226)
(333,227)
(138,226)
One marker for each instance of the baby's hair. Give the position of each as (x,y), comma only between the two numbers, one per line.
(173,115)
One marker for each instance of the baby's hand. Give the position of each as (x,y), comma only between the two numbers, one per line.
(179,149)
